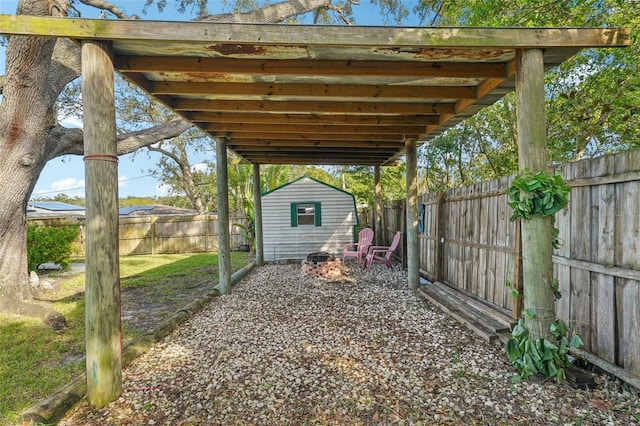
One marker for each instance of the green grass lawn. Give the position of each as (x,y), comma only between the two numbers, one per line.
(35,360)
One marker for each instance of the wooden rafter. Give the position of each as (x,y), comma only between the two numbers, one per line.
(347,95)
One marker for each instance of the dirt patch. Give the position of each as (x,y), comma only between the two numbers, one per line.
(144,308)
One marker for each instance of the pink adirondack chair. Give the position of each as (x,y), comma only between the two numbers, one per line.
(382,254)
(359,249)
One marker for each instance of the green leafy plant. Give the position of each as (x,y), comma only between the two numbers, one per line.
(50,244)
(542,356)
(538,193)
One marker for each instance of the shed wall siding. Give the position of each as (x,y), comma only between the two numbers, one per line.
(282,241)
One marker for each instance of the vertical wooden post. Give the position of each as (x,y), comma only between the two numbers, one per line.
(222,187)
(413,247)
(377,205)
(439,237)
(257,220)
(537,265)
(102,276)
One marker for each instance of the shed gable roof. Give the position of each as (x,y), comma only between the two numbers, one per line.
(294,181)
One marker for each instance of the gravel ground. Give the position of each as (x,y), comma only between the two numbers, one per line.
(290,350)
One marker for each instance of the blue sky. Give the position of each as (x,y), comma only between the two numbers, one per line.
(65,175)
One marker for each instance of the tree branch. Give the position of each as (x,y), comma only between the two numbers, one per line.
(65,141)
(273,13)
(103,5)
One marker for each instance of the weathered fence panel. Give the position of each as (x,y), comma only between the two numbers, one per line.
(598,266)
(164,234)
(467,241)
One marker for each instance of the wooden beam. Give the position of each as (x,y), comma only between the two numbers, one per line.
(231,38)
(485,87)
(298,137)
(355,108)
(102,276)
(311,129)
(315,159)
(369,153)
(242,142)
(287,90)
(305,118)
(305,67)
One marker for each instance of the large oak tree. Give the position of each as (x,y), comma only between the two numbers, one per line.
(37,72)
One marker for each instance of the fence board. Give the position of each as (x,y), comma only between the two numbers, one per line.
(597,264)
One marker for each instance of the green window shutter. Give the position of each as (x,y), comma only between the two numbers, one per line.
(318,214)
(294,215)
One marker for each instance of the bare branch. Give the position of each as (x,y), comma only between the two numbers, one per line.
(273,13)
(340,12)
(103,5)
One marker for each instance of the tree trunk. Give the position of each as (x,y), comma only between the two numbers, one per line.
(37,70)
(25,115)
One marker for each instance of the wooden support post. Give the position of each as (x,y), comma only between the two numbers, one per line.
(257,220)
(413,247)
(377,205)
(102,276)
(224,245)
(537,249)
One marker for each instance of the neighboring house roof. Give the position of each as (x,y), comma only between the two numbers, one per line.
(54,206)
(153,210)
(53,209)
(124,211)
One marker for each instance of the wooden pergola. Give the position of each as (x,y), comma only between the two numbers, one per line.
(289,94)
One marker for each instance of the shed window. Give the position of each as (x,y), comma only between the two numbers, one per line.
(305,214)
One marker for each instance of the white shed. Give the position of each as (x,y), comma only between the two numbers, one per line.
(306,216)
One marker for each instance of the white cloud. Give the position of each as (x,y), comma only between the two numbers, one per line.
(70,121)
(121,181)
(163,190)
(67,184)
(200,167)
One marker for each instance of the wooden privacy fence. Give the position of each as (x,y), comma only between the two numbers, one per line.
(155,234)
(468,242)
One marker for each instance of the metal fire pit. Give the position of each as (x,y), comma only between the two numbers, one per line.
(320,256)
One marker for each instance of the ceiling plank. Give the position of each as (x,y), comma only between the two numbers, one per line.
(306,118)
(238,142)
(312,129)
(204,66)
(269,90)
(368,108)
(315,136)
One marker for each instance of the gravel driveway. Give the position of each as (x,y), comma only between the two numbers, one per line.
(289,350)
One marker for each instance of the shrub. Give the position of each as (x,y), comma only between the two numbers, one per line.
(549,358)
(49,244)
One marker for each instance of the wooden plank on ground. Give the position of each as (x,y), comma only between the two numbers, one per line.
(500,321)
(453,311)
